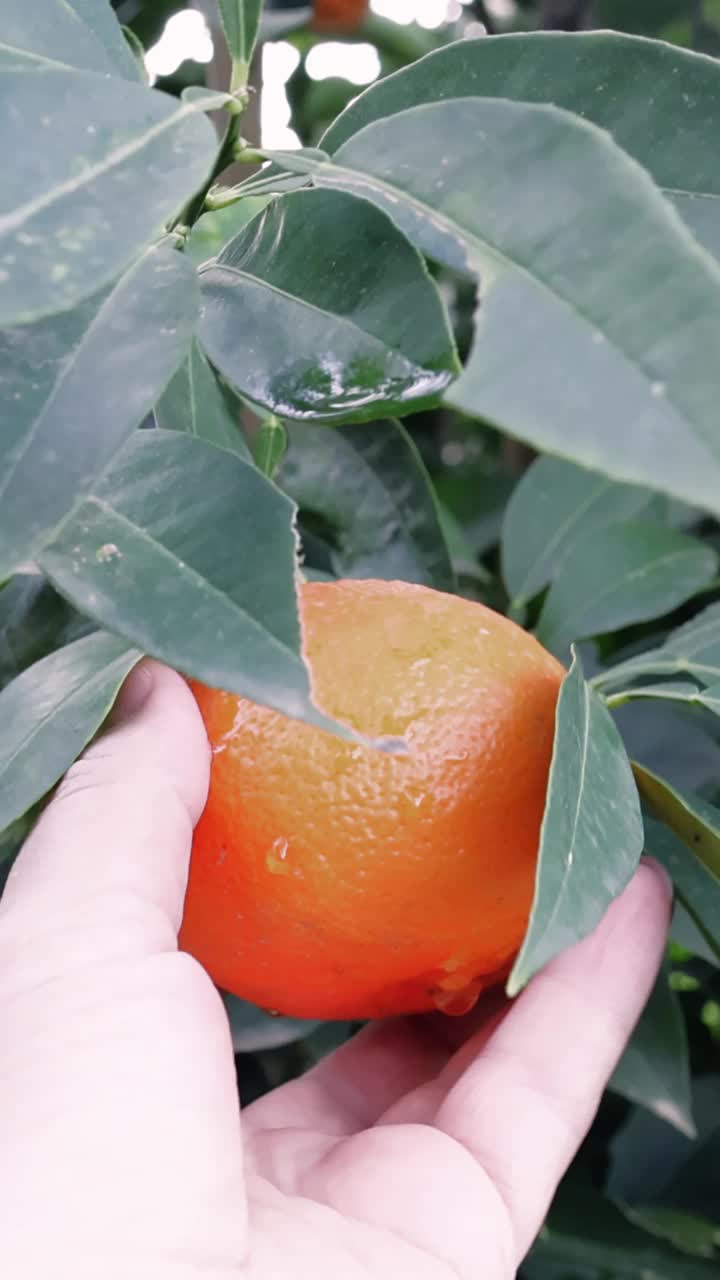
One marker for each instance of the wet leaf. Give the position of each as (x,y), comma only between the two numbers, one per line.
(320,309)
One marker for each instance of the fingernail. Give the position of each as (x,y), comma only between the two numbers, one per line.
(134,693)
(658,869)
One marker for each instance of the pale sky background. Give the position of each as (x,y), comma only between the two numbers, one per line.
(188,35)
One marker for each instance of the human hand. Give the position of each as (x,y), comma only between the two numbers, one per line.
(424,1147)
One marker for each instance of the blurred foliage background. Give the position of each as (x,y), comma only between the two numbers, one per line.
(643,1198)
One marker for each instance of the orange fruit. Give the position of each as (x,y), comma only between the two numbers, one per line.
(331,880)
(342,15)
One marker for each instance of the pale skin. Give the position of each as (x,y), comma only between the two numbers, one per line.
(426,1148)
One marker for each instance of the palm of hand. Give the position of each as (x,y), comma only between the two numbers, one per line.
(425,1147)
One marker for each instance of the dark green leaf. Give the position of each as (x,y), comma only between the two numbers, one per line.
(694,820)
(82,34)
(368,483)
(34,620)
(50,712)
(686,1231)
(647,1156)
(696,885)
(588,1238)
(320,309)
(591,836)
(654,1070)
(75,385)
(621,574)
(684,929)
(195,402)
(189,552)
(560,358)
(110,163)
(253,1029)
(691,650)
(240,19)
(554,503)
(662,105)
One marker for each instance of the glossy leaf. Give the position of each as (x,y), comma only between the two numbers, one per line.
(662,105)
(75,385)
(560,358)
(110,163)
(34,620)
(50,712)
(83,34)
(694,820)
(591,820)
(240,19)
(654,1070)
(320,309)
(619,575)
(195,402)
(368,484)
(691,650)
(696,886)
(554,503)
(189,552)
(99,16)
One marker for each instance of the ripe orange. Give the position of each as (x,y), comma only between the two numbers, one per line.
(338,15)
(330,880)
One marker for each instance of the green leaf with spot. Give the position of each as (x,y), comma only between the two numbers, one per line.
(110,163)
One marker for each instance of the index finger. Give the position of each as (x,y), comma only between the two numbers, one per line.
(525,1103)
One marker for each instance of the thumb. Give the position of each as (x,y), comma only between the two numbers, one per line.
(103,875)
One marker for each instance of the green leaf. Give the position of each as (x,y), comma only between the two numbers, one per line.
(368,483)
(619,575)
(240,19)
(189,552)
(591,836)
(253,1029)
(50,712)
(586,1237)
(320,309)
(269,444)
(195,402)
(109,164)
(214,229)
(98,15)
(554,503)
(692,650)
(34,620)
(694,820)
(82,34)
(697,888)
(687,1231)
(75,385)
(561,359)
(654,1070)
(609,79)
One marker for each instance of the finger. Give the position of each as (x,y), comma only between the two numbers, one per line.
(118,1100)
(353,1086)
(523,1106)
(103,875)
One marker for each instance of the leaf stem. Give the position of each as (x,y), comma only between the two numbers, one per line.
(225,156)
